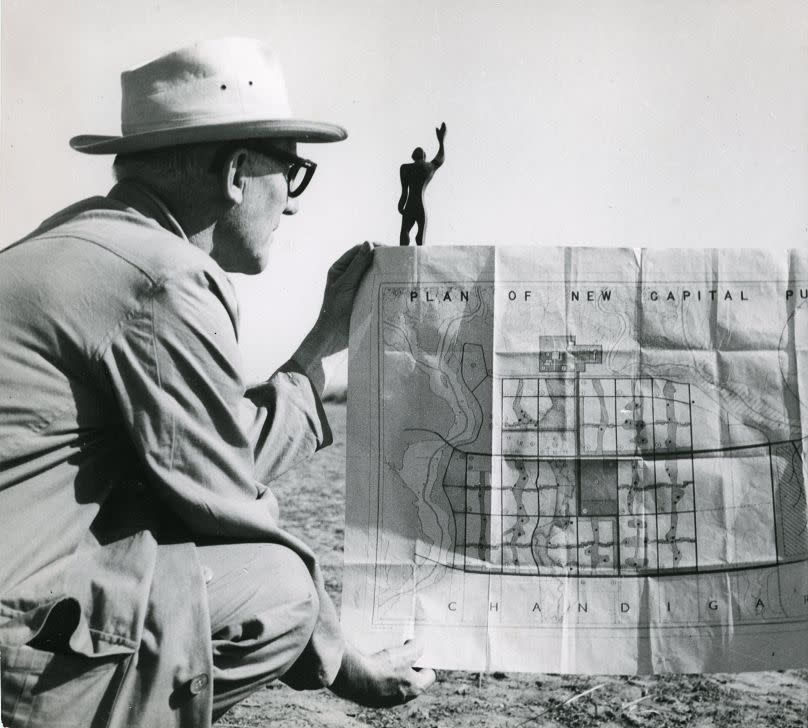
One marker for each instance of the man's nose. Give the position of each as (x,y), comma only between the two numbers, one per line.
(291,206)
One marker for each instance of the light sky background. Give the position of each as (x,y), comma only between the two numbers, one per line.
(630,123)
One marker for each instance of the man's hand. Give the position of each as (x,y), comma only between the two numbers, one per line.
(441,132)
(330,332)
(340,288)
(383,679)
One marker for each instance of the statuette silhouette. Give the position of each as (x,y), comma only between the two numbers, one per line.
(415,176)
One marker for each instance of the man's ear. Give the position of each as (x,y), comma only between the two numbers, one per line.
(233,176)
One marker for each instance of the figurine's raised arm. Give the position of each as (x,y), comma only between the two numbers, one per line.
(439,157)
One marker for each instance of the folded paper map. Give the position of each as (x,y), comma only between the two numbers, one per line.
(580,460)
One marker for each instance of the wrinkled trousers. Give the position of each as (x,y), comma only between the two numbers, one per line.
(262,608)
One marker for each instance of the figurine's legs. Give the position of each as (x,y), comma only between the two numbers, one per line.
(419,236)
(407,221)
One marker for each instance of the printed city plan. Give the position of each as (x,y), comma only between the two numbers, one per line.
(580,460)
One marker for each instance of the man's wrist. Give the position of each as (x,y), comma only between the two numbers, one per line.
(312,368)
(320,343)
(310,354)
(352,678)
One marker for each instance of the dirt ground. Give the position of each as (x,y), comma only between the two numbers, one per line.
(313,505)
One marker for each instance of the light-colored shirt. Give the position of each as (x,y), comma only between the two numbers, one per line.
(127,433)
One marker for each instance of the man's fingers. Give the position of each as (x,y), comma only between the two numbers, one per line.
(353,270)
(362,259)
(410,651)
(345,260)
(424,678)
(357,257)
(420,679)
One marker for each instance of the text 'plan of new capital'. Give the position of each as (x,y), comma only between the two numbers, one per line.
(580,460)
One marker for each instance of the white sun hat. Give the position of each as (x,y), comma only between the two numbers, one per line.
(216,90)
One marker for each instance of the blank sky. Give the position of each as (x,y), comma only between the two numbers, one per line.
(644,124)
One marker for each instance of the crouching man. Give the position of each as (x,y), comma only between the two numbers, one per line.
(144,579)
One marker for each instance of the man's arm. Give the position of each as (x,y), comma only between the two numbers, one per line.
(284,416)
(440,156)
(285,421)
(175,369)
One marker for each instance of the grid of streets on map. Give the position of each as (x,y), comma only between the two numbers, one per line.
(600,477)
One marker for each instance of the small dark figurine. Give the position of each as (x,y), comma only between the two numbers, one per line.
(415,177)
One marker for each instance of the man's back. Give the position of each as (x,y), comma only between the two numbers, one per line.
(65,292)
(62,291)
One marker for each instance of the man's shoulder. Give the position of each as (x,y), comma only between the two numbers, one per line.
(138,240)
(108,251)
(120,236)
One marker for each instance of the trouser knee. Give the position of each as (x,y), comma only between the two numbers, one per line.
(263,605)
(297,591)
(263,608)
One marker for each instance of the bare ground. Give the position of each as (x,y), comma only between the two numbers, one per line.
(313,505)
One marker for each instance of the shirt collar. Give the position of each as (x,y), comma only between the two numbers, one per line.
(139,196)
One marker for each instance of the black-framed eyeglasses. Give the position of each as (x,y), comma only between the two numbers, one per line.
(300,170)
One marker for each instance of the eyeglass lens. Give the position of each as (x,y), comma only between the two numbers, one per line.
(299,176)
(296,177)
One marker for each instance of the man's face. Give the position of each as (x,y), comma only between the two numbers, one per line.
(244,235)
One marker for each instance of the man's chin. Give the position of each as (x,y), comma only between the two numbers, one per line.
(256,265)
(262,257)
(251,262)
(247,266)
(240,252)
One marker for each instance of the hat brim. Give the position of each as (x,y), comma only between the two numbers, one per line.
(295,129)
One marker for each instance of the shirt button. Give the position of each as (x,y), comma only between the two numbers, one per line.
(198,684)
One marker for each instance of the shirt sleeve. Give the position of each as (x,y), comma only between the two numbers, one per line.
(286,422)
(174,367)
